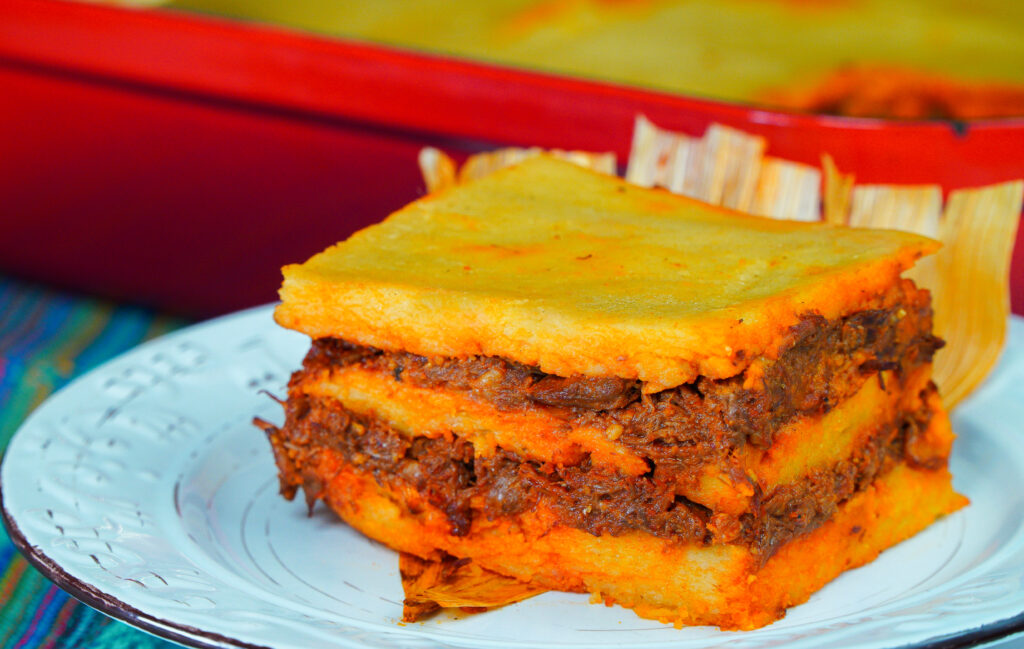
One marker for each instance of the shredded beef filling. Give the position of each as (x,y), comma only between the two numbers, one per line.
(446,474)
(825,362)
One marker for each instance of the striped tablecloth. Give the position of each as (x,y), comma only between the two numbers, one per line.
(48,338)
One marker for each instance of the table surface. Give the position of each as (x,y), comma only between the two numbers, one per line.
(48,338)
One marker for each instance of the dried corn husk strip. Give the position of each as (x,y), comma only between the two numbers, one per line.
(838,188)
(688,172)
(645,152)
(447,582)
(437,168)
(893,207)
(787,190)
(732,164)
(972,304)
(724,167)
(913,209)
(712,169)
(653,154)
(660,158)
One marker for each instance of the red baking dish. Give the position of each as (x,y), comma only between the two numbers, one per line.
(179,160)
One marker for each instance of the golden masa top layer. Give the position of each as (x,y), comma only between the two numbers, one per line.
(578,272)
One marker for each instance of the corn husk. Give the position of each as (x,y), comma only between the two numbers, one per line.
(438,169)
(972,303)
(723,167)
(732,163)
(787,190)
(912,209)
(447,582)
(838,190)
(655,155)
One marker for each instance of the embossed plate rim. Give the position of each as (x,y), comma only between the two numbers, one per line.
(94,595)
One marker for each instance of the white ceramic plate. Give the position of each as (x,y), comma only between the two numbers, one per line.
(143,489)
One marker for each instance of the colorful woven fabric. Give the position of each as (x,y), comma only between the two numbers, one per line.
(48,338)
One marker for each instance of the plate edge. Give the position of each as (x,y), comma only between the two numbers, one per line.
(108,604)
